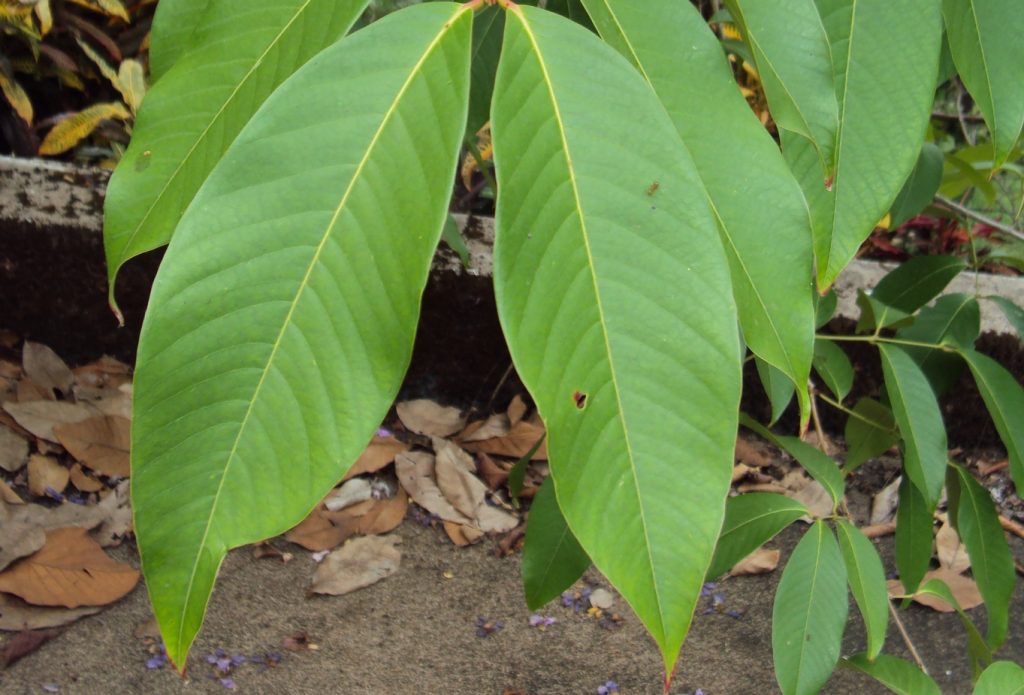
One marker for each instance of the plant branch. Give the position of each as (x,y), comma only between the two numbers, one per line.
(978,217)
(906,639)
(880,339)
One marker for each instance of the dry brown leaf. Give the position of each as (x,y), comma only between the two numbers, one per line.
(359,563)
(8,495)
(46,472)
(495,426)
(761,561)
(740,471)
(462,535)
(266,549)
(462,488)
(115,404)
(416,474)
(101,443)
(424,416)
(149,628)
(385,515)
(816,498)
(345,516)
(116,515)
(951,552)
(17,615)
(43,366)
(83,481)
(494,520)
(23,644)
(39,417)
(964,589)
(47,448)
(13,450)
(379,453)
(18,538)
(316,532)
(494,473)
(748,453)
(10,370)
(28,391)
(516,410)
(883,506)
(71,570)
(106,372)
(517,443)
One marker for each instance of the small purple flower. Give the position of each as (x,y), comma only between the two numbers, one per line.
(156,661)
(383,432)
(228,683)
(608,688)
(238,659)
(223,664)
(567,598)
(541,621)
(698,691)
(705,591)
(485,627)
(51,688)
(53,493)
(76,499)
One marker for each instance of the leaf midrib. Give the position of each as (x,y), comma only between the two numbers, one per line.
(604,329)
(385,120)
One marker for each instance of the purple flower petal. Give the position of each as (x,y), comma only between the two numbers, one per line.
(51,688)
(223,664)
(156,661)
(228,683)
(238,659)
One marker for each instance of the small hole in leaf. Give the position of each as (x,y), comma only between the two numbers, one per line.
(580,399)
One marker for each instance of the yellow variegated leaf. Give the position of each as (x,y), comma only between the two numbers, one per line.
(16,96)
(111,8)
(105,68)
(131,82)
(19,18)
(45,14)
(69,132)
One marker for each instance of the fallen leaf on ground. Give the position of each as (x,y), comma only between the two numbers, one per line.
(45,473)
(516,410)
(115,404)
(424,416)
(964,589)
(380,452)
(43,366)
(83,481)
(494,473)
(883,506)
(494,520)
(462,535)
(265,549)
(749,454)
(70,570)
(106,372)
(39,417)
(17,615)
(454,470)
(740,471)
(24,643)
(28,391)
(115,513)
(415,471)
(761,561)
(385,515)
(816,498)
(951,552)
(101,443)
(316,532)
(496,425)
(517,443)
(357,564)
(8,495)
(13,450)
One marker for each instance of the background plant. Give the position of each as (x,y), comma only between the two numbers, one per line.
(632,237)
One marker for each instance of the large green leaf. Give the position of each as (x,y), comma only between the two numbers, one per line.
(174,26)
(885,57)
(552,557)
(618,313)
(282,319)
(794,61)
(906,289)
(810,613)
(867,582)
(920,187)
(870,430)
(991,561)
(919,420)
(744,174)
(488,26)
(1001,678)
(984,38)
(240,53)
(1004,399)
(751,520)
(897,675)
(914,536)
(955,319)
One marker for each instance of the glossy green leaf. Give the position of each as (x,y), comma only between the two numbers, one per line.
(908,288)
(960,174)
(833,366)
(822,467)
(1001,678)
(453,237)
(870,431)
(282,319)
(897,675)
(885,57)
(777,386)
(919,420)
(1013,313)
(984,38)
(824,307)
(866,577)
(810,613)
(1004,399)
(195,111)
(978,651)
(174,26)
(552,557)
(914,538)
(794,62)
(991,561)
(488,26)
(751,520)
(955,319)
(744,174)
(919,189)
(570,9)
(639,387)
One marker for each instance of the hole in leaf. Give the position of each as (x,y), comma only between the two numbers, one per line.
(580,399)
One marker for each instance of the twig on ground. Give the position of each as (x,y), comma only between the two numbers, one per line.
(879,530)
(1011,526)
